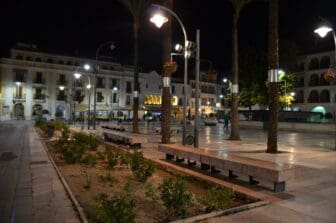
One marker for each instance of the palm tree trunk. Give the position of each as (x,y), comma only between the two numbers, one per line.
(166,96)
(136,79)
(234,103)
(273,62)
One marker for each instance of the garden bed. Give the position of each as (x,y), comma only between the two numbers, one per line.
(105,176)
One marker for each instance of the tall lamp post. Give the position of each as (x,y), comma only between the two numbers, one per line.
(159,20)
(322,31)
(95,72)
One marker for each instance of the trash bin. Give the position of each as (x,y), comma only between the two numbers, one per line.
(50,131)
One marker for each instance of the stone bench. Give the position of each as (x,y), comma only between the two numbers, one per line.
(126,138)
(114,127)
(278,173)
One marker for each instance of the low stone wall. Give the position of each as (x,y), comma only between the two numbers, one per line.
(291,126)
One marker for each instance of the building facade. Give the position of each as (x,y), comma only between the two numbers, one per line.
(312,91)
(32,81)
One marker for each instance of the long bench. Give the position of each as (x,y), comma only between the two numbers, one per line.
(278,173)
(126,138)
(114,127)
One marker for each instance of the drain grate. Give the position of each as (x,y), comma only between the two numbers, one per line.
(7,156)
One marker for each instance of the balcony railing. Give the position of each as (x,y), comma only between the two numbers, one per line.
(62,82)
(39,81)
(61,97)
(39,97)
(19,97)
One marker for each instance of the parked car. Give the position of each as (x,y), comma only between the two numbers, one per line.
(210,121)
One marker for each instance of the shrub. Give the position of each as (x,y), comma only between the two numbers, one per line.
(174,196)
(116,209)
(141,167)
(90,159)
(217,198)
(112,157)
(69,157)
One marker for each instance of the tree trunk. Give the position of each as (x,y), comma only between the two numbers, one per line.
(234,91)
(136,79)
(273,63)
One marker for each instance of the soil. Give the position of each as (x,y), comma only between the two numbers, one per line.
(146,210)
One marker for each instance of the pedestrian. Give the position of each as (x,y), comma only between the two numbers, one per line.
(227,119)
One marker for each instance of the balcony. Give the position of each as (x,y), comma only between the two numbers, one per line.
(19,97)
(39,98)
(62,82)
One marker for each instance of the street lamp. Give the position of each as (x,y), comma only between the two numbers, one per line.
(89,112)
(159,20)
(322,31)
(96,70)
(77,75)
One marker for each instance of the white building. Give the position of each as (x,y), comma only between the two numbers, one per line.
(32,81)
(313,92)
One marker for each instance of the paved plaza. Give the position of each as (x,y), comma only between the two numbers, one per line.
(30,190)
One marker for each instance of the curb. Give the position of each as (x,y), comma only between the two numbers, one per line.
(222,213)
(66,187)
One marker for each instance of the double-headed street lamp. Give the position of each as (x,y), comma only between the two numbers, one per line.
(158,19)
(322,31)
(95,72)
(77,75)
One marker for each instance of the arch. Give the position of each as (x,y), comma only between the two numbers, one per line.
(325,62)
(314,64)
(324,96)
(37,110)
(314,80)
(59,113)
(19,111)
(313,97)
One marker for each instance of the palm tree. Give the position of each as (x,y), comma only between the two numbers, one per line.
(238,5)
(273,64)
(136,8)
(166,103)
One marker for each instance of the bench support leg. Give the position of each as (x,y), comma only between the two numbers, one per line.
(253,181)
(205,166)
(191,163)
(213,170)
(169,157)
(179,160)
(279,186)
(231,175)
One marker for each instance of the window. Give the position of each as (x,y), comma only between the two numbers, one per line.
(69,63)
(325,96)
(29,58)
(20,75)
(19,57)
(314,80)
(160,87)
(100,97)
(62,79)
(325,62)
(38,94)
(146,85)
(61,62)
(19,92)
(313,97)
(38,78)
(114,98)
(38,59)
(100,82)
(314,64)
(50,61)
(114,83)
(173,89)
(128,100)
(128,87)
(180,102)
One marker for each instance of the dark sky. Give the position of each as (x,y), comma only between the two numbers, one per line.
(79,27)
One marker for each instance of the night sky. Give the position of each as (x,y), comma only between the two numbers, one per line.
(79,27)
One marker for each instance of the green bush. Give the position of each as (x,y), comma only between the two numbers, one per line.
(90,159)
(112,156)
(174,196)
(116,209)
(141,167)
(69,157)
(217,198)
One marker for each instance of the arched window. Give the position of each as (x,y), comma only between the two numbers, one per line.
(314,64)
(325,62)
(19,57)
(60,62)
(50,61)
(38,59)
(299,97)
(325,96)
(29,58)
(314,80)
(313,97)
(69,63)
(302,66)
